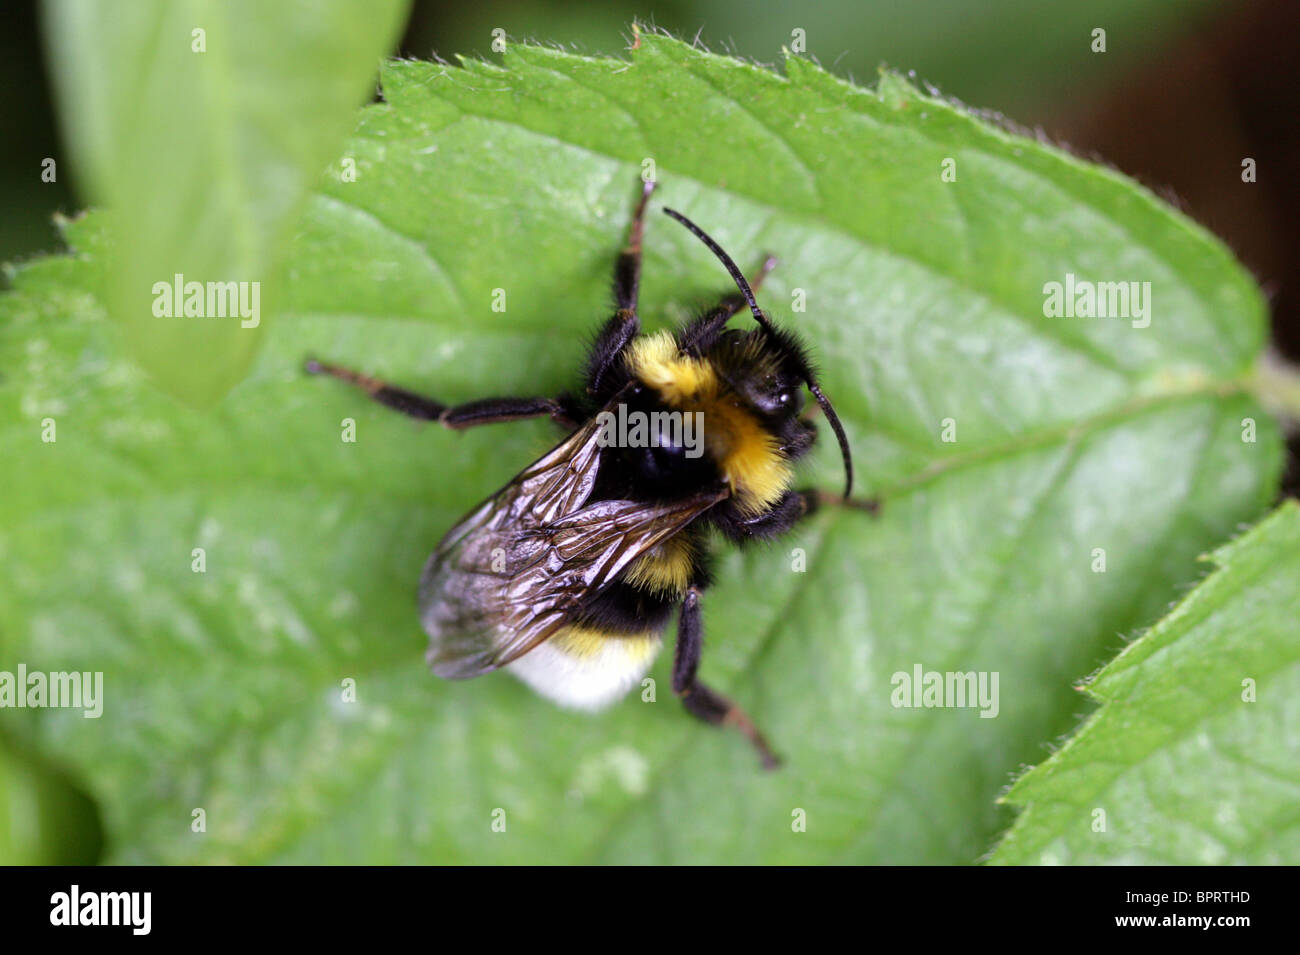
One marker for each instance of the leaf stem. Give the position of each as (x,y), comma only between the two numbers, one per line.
(1276,383)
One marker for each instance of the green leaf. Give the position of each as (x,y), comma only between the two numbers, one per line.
(204,124)
(1191,759)
(924,302)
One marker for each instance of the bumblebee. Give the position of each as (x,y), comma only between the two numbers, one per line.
(568,575)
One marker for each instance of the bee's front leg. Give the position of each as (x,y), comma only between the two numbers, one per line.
(705,329)
(607,350)
(700,700)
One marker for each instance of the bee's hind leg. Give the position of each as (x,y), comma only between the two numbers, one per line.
(456,417)
(700,700)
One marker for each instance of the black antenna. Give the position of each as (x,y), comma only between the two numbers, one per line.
(739,278)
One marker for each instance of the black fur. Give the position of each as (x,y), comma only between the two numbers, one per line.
(605,373)
(741,528)
(623,608)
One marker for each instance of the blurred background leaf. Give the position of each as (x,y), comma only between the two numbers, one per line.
(202,125)
(44,818)
(924,301)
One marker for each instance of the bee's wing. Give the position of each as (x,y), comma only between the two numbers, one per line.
(510,574)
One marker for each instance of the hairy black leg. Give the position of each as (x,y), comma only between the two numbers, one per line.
(789,510)
(457,417)
(493,410)
(399,399)
(700,700)
(796,438)
(622,327)
(699,334)
(627,269)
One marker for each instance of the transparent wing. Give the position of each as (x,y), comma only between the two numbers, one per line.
(512,572)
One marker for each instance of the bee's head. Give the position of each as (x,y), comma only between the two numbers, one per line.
(768,366)
(765,368)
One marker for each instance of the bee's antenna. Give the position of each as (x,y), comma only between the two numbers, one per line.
(739,278)
(840,436)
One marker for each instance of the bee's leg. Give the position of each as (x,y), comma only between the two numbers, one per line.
(457,417)
(707,704)
(818,498)
(741,528)
(493,410)
(700,332)
(790,508)
(623,325)
(627,269)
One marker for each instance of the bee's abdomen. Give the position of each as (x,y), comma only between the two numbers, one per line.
(587,669)
(613,636)
(604,652)
(625,608)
